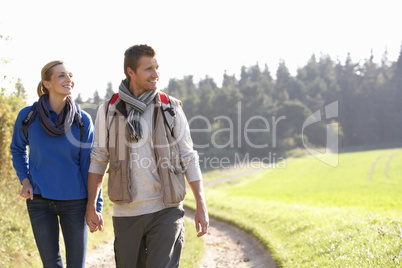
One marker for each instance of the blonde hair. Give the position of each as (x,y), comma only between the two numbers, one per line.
(46,75)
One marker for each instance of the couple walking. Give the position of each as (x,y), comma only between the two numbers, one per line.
(141,134)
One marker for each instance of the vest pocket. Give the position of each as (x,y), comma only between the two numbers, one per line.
(177,161)
(177,187)
(176,176)
(118,188)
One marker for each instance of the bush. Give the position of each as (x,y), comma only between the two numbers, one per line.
(10,105)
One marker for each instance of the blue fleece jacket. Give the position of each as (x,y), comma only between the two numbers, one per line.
(57,166)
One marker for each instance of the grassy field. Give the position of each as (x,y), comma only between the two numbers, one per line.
(313,215)
(224,173)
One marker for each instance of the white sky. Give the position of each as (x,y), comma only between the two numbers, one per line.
(191,37)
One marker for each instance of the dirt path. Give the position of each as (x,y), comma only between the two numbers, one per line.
(102,256)
(228,246)
(225,245)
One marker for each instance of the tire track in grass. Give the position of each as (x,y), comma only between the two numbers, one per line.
(373,165)
(370,177)
(387,164)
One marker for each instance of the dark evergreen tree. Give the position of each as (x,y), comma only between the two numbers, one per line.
(109,91)
(79,100)
(96,98)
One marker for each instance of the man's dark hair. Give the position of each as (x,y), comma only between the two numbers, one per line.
(133,54)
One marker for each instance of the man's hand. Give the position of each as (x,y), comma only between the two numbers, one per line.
(94,220)
(27,189)
(201,218)
(93,217)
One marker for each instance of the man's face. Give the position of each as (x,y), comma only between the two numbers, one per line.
(146,76)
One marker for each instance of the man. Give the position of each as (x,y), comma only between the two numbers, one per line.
(145,138)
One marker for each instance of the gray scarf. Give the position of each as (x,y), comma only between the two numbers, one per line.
(63,121)
(136,107)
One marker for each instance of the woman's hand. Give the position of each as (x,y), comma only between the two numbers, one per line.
(27,190)
(94,220)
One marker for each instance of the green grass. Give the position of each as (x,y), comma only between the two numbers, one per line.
(223,173)
(17,244)
(313,215)
(311,182)
(192,248)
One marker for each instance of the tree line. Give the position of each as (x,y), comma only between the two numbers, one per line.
(258,115)
(367,95)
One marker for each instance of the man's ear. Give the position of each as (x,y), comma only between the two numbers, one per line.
(130,71)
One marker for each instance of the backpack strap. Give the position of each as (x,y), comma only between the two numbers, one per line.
(78,120)
(164,97)
(112,101)
(167,107)
(28,119)
(32,112)
(166,104)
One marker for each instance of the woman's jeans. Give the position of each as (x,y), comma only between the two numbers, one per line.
(45,215)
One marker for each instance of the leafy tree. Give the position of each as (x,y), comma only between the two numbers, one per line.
(10,105)
(12,100)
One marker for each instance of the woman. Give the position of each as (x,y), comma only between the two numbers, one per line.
(54,176)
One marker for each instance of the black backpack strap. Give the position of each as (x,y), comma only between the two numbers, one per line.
(28,119)
(166,106)
(78,120)
(31,115)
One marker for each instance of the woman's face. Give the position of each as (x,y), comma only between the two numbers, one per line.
(61,82)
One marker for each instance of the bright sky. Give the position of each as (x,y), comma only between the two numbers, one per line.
(191,37)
